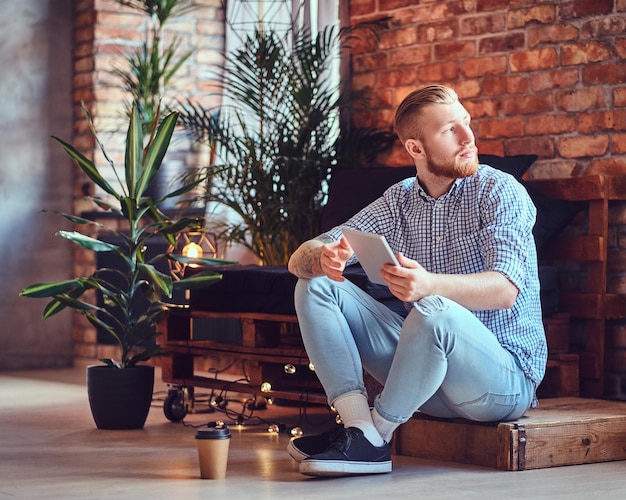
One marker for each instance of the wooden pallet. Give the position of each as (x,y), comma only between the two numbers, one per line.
(562,431)
(264,348)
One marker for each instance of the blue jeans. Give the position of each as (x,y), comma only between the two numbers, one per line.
(440,360)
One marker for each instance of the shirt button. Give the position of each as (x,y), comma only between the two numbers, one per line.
(438,239)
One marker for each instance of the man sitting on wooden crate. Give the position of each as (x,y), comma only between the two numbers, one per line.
(473,343)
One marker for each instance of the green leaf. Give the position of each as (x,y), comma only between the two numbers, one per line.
(109,362)
(161,281)
(156,152)
(177,65)
(77,304)
(145,355)
(98,323)
(88,242)
(53,307)
(107,205)
(200,261)
(183,190)
(154,313)
(134,152)
(129,209)
(197,281)
(57,305)
(75,219)
(41,290)
(87,166)
(180,225)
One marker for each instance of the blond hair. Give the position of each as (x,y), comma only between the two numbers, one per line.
(407,119)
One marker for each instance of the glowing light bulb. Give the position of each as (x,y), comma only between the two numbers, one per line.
(273,429)
(266,387)
(192,250)
(290,369)
(296,431)
(338,419)
(311,367)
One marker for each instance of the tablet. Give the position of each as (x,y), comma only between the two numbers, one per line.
(372,250)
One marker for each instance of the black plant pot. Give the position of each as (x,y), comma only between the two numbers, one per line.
(120,399)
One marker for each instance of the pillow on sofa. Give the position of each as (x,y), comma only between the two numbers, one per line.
(515,165)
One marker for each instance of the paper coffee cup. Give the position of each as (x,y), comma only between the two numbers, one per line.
(213,446)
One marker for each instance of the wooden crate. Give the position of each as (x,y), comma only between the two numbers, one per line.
(562,431)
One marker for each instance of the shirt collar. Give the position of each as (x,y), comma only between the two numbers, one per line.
(453,192)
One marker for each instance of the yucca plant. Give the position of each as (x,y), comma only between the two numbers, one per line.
(133,296)
(278,137)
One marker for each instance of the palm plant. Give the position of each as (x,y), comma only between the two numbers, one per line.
(277,143)
(133,295)
(149,69)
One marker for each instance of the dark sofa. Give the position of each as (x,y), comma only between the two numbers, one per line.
(270,289)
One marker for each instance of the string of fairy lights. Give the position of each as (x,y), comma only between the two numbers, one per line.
(243,412)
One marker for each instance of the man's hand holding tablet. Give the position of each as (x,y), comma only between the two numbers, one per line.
(373,252)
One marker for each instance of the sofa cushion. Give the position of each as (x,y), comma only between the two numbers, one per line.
(251,288)
(269,290)
(516,165)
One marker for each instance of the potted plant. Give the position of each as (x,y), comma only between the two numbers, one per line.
(275,145)
(133,296)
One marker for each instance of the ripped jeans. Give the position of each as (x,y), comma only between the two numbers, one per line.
(440,360)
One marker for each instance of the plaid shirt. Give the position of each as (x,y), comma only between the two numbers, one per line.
(484,223)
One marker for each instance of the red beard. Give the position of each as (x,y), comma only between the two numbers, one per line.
(458,168)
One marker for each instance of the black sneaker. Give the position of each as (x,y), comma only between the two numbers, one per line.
(305,446)
(351,453)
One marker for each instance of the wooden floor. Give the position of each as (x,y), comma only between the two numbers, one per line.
(50,448)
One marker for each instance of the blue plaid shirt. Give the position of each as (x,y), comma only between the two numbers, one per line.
(484,223)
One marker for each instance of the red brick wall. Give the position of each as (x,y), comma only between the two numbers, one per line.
(544,77)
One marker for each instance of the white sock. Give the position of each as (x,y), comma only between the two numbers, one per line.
(354,411)
(384,427)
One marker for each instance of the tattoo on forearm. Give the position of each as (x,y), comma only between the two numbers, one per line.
(308,263)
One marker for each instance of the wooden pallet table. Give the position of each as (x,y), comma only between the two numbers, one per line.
(263,348)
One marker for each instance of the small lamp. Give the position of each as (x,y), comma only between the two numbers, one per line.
(193,251)
(196,244)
